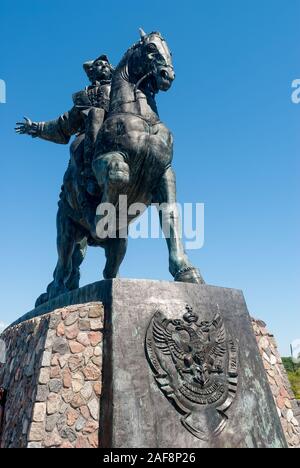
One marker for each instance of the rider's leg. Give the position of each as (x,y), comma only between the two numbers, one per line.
(93,124)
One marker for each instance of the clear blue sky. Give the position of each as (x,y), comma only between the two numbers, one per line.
(236,140)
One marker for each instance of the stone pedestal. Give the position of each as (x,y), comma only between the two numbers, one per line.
(52,376)
(288,407)
(136,412)
(110,373)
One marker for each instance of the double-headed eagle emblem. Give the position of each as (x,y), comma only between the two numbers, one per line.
(195,365)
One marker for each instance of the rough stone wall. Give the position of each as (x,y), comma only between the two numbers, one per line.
(53,378)
(24,351)
(287,405)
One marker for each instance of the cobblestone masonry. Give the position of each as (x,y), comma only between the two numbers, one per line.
(53,377)
(287,406)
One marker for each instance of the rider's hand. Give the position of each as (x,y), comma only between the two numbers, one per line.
(27,128)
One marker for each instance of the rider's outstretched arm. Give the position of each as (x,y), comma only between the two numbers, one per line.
(58,131)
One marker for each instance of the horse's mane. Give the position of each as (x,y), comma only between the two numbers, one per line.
(135,46)
(128,54)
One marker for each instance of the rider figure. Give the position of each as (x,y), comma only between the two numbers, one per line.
(84,119)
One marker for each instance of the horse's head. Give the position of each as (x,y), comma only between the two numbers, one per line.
(151,60)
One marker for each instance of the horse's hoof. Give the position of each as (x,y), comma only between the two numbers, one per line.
(189,275)
(58,292)
(42,299)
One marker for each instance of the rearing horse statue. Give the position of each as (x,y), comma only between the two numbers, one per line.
(133,157)
(134,149)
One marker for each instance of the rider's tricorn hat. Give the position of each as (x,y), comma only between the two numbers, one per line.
(88,65)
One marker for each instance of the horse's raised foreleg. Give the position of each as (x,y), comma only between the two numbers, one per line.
(179,264)
(112,174)
(115,250)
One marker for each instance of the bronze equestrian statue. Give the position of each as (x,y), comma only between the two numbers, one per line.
(133,157)
(80,191)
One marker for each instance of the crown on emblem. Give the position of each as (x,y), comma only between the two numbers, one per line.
(190,316)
